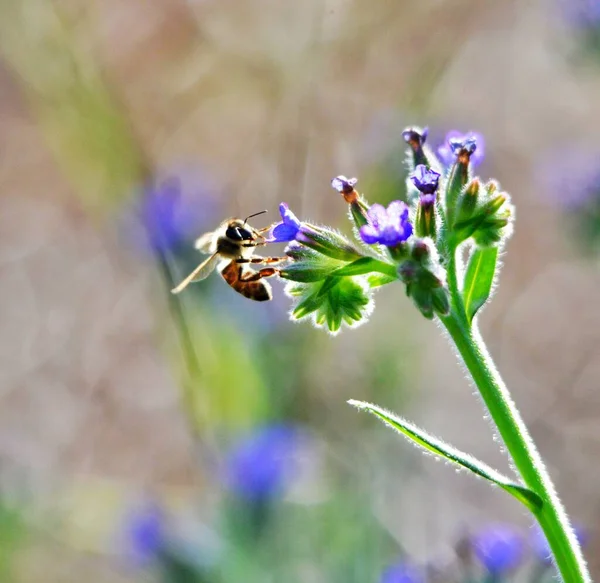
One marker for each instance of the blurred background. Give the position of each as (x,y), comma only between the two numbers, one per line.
(207,438)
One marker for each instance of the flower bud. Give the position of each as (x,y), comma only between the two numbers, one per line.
(424,279)
(467,201)
(462,148)
(358,207)
(416,137)
(327,242)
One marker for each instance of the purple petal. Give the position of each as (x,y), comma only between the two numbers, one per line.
(369,234)
(397,209)
(343,184)
(289,218)
(377,216)
(282,233)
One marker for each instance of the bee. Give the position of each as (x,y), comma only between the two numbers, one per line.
(232,246)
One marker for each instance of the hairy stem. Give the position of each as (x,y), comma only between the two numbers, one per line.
(552,517)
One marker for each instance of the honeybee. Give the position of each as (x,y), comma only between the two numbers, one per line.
(232,245)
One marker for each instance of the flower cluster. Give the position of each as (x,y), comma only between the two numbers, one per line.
(411,241)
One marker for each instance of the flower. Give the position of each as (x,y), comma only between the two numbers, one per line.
(387,226)
(401,572)
(343,184)
(473,142)
(144,533)
(288,228)
(426,181)
(261,465)
(498,548)
(541,548)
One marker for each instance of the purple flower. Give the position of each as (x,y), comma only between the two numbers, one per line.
(499,548)
(401,572)
(541,548)
(261,465)
(144,535)
(426,181)
(343,184)
(473,142)
(387,226)
(288,228)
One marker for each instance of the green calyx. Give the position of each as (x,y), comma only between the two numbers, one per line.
(425,280)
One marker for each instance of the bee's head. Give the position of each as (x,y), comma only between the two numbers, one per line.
(237,230)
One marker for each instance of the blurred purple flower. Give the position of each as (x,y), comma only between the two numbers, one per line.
(426,181)
(144,533)
(499,548)
(343,184)
(581,13)
(401,572)
(288,228)
(541,548)
(260,466)
(570,178)
(170,212)
(455,140)
(387,226)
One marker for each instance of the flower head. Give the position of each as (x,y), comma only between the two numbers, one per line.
(541,548)
(498,548)
(288,228)
(144,533)
(343,184)
(472,142)
(401,572)
(426,181)
(387,226)
(260,466)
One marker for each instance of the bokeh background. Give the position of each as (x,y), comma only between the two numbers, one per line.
(123,410)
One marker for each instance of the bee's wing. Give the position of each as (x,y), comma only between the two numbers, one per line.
(204,242)
(201,272)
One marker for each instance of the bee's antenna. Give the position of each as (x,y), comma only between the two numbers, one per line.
(255,215)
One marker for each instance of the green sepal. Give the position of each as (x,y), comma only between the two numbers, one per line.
(490,222)
(424,278)
(379,279)
(358,212)
(479,279)
(334,301)
(308,265)
(436,446)
(366,265)
(425,223)
(327,242)
(457,180)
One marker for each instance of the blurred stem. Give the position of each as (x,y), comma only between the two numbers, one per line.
(551,517)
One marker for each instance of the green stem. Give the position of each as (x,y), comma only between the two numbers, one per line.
(551,517)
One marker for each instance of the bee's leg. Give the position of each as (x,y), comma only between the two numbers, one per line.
(260,274)
(262,260)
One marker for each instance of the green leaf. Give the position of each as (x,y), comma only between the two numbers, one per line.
(366,265)
(479,279)
(332,302)
(465,460)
